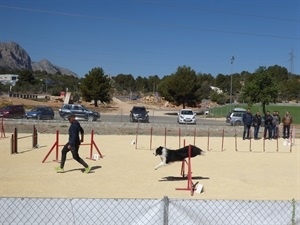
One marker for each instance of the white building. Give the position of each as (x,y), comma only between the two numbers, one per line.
(10,79)
(216,89)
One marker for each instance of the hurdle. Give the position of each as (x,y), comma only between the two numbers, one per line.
(2,128)
(56,145)
(190,185)
(15,138)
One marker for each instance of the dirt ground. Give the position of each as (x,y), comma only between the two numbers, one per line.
(127,170)
(268,172)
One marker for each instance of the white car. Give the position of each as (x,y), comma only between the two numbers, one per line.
(187,116)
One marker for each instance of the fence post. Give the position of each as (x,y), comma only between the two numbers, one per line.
(166,210)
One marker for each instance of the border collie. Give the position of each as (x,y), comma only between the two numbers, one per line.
(168,155)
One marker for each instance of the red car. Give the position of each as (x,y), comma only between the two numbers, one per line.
(13,111)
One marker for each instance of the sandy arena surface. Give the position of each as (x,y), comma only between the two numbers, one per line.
(127,171)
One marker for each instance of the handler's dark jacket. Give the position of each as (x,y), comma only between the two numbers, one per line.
(74,130)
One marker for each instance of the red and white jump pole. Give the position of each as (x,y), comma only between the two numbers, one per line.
(190,185)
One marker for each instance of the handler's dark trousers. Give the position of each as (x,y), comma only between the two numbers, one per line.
(75,155)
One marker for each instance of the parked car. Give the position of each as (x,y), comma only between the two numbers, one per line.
(235,117)
(80,111)
(186,116)
(40,113)
(13,111)
(139,113)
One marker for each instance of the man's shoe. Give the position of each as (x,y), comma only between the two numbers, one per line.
(87,170)
(59,169)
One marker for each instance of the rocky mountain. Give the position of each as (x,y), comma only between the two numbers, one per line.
(45,65)
(14,57)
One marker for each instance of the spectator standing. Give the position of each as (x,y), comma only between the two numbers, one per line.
(247,120)
(287,121)
(256,122)
(275,125)
(268,125)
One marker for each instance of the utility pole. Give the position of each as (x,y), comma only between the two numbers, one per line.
(292,56)
(231,61)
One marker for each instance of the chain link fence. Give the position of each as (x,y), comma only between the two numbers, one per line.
(147,211)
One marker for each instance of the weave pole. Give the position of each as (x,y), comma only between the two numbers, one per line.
(235,140)
(151,133)
(195,134)
(137,134)
(165,137)
(292,137)
(179,136)
(2,128)
(222,146)
(250,141)
(277,148)
(208,139)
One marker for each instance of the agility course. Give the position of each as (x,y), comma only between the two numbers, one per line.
(221,133)
(127,170)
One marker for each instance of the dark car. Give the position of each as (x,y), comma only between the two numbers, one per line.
(139,113)
(41,113)
(13,111)
(80,111)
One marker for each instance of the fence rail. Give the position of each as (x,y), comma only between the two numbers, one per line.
(148,211)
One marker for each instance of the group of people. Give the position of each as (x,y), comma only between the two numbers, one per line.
(271,123)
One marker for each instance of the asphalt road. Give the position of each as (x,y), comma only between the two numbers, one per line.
(153,119)
(120,124)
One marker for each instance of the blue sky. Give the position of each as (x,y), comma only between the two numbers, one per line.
(154,37)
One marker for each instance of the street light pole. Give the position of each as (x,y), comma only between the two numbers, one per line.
(231,61)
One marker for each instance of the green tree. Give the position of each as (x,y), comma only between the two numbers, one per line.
(261,88)
(96,86)
(142,84)
(181,87)
(205,81)
(223,82)
(124,83)
(26,77)
(153,82)
(289,90)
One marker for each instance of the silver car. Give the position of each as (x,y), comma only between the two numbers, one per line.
(186,116)
(236,118)
(81,112)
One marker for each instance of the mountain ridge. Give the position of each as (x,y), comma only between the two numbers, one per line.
(15,57)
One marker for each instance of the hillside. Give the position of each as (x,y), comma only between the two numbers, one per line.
(14,57)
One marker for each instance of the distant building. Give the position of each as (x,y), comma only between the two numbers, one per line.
(10,79)
(216,89)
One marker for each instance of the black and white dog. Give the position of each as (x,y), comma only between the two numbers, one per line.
(168,155)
